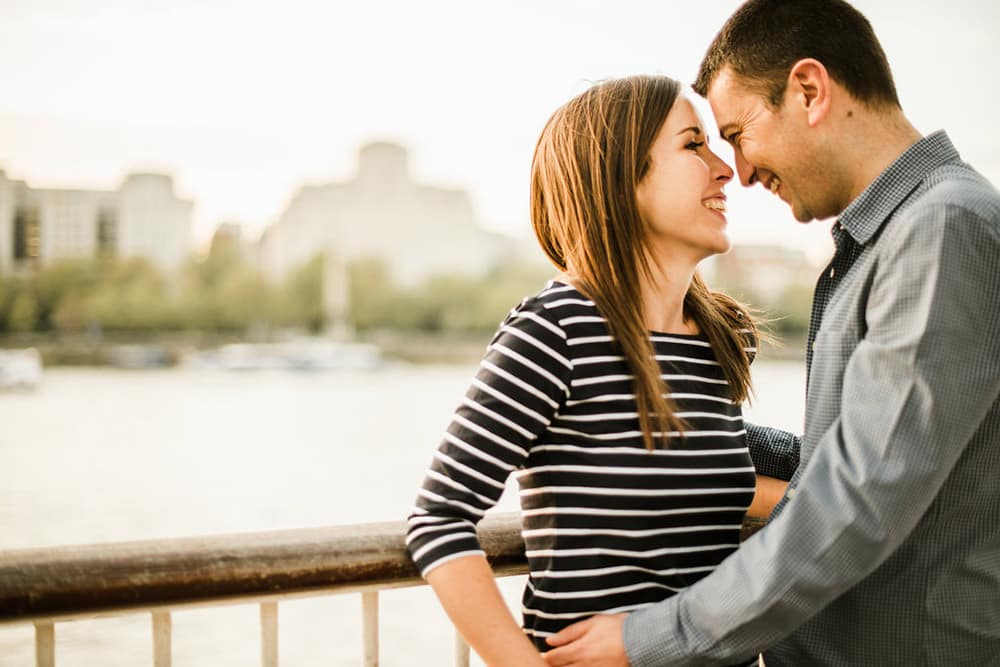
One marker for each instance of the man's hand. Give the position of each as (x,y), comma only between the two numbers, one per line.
(596,642)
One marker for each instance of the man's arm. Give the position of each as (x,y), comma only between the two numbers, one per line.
(775,453)
(915,390)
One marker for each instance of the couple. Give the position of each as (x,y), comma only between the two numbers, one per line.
(614,394)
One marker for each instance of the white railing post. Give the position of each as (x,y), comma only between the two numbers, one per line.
(461,650)
(369,622)
(269,634)
(162,631)
(45,645)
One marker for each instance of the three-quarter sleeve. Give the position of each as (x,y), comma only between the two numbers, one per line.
(775,452)
(521,383)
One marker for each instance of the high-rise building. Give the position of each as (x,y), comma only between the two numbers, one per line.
(142,218)
(417,230)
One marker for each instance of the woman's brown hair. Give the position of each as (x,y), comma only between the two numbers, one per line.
(591,156)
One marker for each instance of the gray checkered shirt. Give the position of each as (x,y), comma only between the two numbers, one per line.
(886,548)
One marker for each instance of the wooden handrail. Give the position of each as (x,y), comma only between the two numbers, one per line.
(97,579)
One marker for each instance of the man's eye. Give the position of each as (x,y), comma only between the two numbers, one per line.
(695,145)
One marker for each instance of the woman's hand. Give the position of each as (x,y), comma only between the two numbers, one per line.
(469,594)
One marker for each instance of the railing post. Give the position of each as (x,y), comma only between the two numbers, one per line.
(461,650)
(269,634)
(369,622)
(162,630)
(45,645)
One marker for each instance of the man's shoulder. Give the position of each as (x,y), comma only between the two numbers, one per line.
(958,187)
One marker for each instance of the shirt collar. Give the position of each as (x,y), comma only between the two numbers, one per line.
(866,214)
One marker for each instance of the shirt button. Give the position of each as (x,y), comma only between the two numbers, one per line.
(833,272)
(790,493)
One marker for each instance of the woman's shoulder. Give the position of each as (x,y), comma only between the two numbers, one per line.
(556,301)
(553,310)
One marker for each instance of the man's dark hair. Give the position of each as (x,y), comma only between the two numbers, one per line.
(763,39)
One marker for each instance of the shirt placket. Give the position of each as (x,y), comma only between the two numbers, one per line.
(845,254)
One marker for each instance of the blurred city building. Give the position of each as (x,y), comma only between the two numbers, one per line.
(766,271)
(417,230)
(142,218)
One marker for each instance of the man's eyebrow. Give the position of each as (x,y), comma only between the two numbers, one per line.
(727,130)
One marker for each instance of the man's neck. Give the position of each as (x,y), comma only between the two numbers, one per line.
(880,139)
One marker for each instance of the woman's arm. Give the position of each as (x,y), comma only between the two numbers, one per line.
(469,594)
(769,493)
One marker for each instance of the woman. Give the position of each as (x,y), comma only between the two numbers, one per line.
(614,393)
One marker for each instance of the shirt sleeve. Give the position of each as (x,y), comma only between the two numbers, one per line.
(915,390)
(775,453)
(521,383)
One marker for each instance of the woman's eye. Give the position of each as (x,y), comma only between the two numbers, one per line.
(695,145)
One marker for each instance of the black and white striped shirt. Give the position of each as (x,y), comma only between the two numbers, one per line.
(608,525)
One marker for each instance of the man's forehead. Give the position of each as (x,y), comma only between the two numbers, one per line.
(730,99)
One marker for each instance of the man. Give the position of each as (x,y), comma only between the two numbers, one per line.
(886,548)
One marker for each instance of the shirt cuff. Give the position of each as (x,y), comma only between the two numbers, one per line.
(651,635)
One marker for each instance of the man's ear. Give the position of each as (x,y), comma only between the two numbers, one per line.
(809,89)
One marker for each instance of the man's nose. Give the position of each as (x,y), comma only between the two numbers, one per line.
(746,171)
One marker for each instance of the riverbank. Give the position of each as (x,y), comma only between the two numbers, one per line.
(170,349)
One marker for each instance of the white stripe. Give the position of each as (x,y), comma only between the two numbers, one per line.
(534,317)
(504,398)
(713,415)
(580,614)
(537,344)
(540,532)
(436,498)
(552,289)
(472,472)
(696,378)
(570,302)
(583,361)
(476,428)
(496,416)
(596,511)
(690,360)
(580,319)
(496,370)
(612,470)
(444,539)
(605,416)
(629,553)
(649,493)
(583,340)
(537,633)
(622,435)
(583,382)
(639,451)
(414,534)
(601,571)
(600,398)
(601,592)
(458,486)
(478,453)
(682,341)
(524,361)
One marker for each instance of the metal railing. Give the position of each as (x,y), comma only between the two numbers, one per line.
(52,585)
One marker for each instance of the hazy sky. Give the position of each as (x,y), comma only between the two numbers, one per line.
(244,101)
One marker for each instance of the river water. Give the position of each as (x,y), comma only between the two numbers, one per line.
(98,455)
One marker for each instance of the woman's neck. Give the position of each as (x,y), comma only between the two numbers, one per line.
(663,295)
